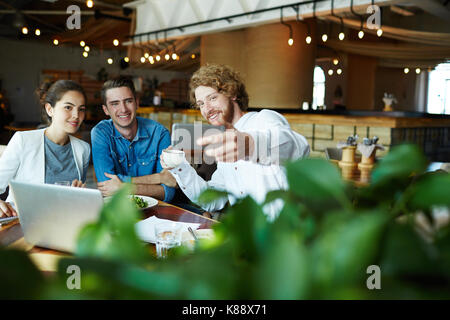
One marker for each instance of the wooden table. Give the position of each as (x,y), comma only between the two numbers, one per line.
(11,235)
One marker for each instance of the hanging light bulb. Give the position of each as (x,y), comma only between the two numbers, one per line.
(341,36)
(324,37)
(87,49)
(361,34)
(55,42)
(330,72)
(174,56)
(290,41)
(82,43)
(37,32)
(158,57)
(110,61)
(152,61)
(85,54)
(142,59)
(167,56)
(418,70)
(126,59)
(379,32)
(339,71)
(335,61)
(406,70)
(89,3)
(25,30)
(146,55)
(115,42)
(193,56)
(308,39)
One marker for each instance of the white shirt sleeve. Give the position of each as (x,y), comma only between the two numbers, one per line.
(10,161)
(278,142)
(193,185)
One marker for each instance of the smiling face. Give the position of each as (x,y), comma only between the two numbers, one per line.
(68,113)
(121,106)
(215,107)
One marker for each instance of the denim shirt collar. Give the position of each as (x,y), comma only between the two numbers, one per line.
(141,132)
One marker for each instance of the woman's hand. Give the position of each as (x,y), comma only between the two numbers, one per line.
(78,184)
(6,210)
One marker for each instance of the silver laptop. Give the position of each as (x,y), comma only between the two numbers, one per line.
(51,216)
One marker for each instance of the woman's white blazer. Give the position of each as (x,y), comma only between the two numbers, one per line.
(24,158)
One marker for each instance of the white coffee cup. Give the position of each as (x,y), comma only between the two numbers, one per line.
(173,158)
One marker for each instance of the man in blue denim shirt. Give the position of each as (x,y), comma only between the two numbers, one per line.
(126,146)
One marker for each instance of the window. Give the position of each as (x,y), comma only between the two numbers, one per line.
(439,90)
(319,88)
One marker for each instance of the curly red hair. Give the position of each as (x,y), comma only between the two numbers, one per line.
(222,78)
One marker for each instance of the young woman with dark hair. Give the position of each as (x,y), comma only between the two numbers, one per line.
(51,154)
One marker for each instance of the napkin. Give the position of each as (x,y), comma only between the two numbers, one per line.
(145,229)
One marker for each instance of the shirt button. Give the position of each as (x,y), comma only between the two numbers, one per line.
(235,168)
(129,165)
(131,147)
(179,170)
(184,188)
(242,192)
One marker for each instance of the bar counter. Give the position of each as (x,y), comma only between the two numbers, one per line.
(325,128)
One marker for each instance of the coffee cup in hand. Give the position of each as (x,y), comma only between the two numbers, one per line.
(172,158)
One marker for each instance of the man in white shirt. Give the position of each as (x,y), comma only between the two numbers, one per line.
(249,153)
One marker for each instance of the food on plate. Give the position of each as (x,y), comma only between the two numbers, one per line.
(140,203)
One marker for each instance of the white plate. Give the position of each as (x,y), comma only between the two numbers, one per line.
(151,202)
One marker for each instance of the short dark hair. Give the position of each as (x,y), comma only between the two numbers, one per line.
(52,91)
(117,83)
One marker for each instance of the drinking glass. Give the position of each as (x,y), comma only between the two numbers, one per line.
(168,235)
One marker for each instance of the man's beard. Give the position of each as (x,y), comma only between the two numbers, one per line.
(228,112)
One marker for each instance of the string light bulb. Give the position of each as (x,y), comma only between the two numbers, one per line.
(361,34)
(339,71)
(167,56)
(406,70)
(85,54)
(330,72)
(37,32)
(418,70)
(25,30)
(82,43)
(324,37)
(89,3)
(115,42)
(341,36)
(193,56)
(379,32)
(55,42)
(290,42)
(87,49)
(142,59)
(335,61)
(308,39)
(110,61)
(158,57)
(152,61)
(126,59)
(146,55)
(174,56)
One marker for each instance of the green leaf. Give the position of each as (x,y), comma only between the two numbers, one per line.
(346,245)
(113,236)
(19,277)
(316,180)
(211,195)
(431,190)
(401,162)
